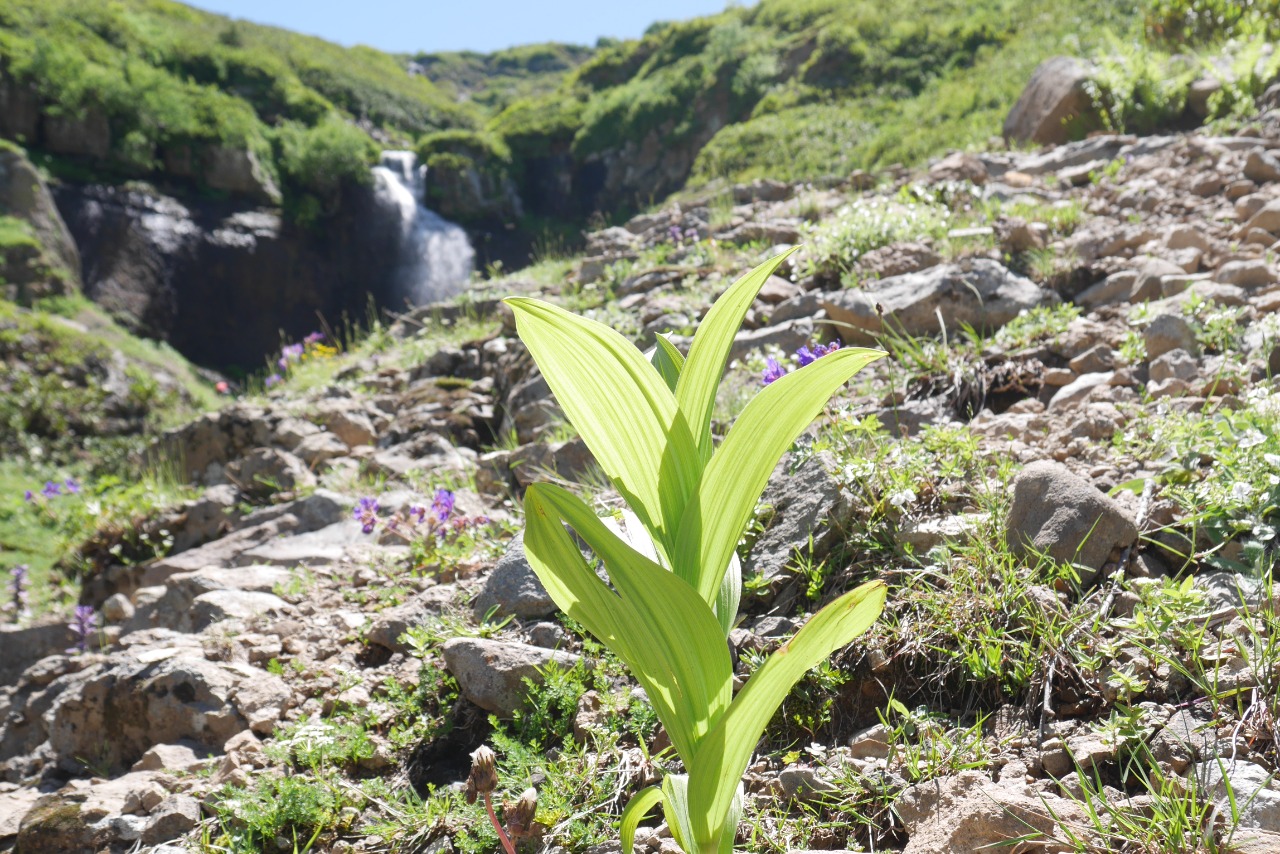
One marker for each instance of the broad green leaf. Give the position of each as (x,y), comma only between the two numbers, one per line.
(732,482)
(724,753)
(637,808)
(667,359)
(709,352)
(657,625)
(620,406)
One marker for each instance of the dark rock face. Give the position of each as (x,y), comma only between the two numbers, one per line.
(221,282)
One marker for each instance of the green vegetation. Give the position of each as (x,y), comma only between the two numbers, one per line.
(153,87)
(495,80)
(79,397)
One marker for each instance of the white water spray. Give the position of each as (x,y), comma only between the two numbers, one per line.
(436,258)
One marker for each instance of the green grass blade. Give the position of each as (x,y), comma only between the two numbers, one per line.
(726,496)
(709,353)
(667,359)
(666,635)
(650,460)
(724,753)
(636,809)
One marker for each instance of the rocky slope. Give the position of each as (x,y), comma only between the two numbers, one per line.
(1065,474)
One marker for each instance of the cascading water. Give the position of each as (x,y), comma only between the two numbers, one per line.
(436,257)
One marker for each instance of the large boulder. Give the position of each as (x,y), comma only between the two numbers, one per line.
(981,292)
(1055,107)
(238,170)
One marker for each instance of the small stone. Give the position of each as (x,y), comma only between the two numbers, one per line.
(117,608)
(177,815)
(1169,332)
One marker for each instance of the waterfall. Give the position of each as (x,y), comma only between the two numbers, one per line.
(435,256)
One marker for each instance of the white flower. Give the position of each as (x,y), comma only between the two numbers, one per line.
(1251,439)
(1272,459)
(902,498)
(1240,492)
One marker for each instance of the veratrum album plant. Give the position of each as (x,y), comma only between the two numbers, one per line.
(676,581)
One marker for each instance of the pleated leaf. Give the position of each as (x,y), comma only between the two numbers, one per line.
(621,407)
(735,477)
(667,636)
(724,753)
(709,352)
(637,808)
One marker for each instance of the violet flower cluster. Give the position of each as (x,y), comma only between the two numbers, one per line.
(53,489)
(17,603)
(429,523)
(678,237)
(291,354)
(83,624)
(806,355)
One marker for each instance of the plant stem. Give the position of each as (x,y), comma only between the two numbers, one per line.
(502,834)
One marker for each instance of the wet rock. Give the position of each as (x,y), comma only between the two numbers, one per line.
(491,673)
(1061,514)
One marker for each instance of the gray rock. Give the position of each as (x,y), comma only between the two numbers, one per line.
(800,781)
(266,471)
(170,757)
(391,623)
(1169,332)
(1061,514)
(789,336)
(117,608)
(320,448)
(491,673)
(1261,166)
(1255,273)
(326,546)
(173,609)
(979,292)
(807,502)
(175,816)
(1113,288)
(217,605)
(206,518)
(1265,217)
(1177,364)
(290,432)
(1055,104)
(1079,390)
(513,588)
(1253,787)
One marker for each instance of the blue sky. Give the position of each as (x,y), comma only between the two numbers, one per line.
(403,26)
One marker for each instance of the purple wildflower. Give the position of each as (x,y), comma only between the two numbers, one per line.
(29,496)
(72,486)
(282,363)
(805,356)
(313,338)
(674,233)
(417,514)
(82,626)
(274,379)
(442,506)
(366,513)
(772,371)
(292,351)
(51,489)
(18,590)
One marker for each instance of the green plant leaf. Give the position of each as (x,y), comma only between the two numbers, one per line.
(729,596)
(709,352)
(665,634)
(732,482)
(667,359)
(675,806)
(648,460)
(636,809)
(724,752)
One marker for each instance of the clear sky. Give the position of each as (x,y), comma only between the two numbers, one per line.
(404,26)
